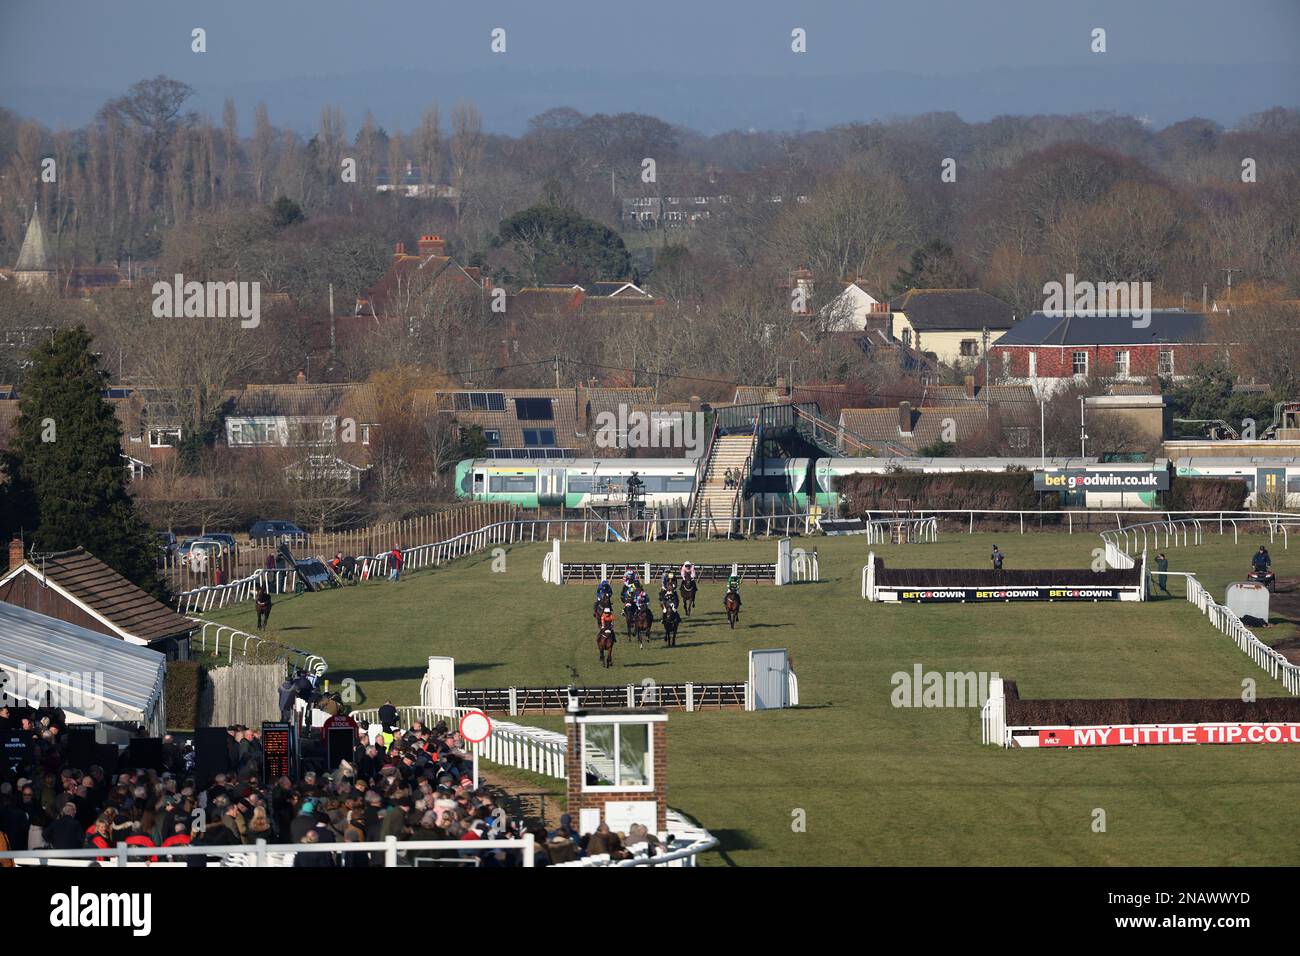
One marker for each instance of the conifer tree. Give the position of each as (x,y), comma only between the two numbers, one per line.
(69,462)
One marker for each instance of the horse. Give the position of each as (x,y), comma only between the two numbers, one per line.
(600,605)
(605,643)
(262,602)
(732,602)
(689,587)
(643,620)
(672,620)
(629,610)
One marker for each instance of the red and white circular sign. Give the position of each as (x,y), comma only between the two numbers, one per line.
(475,727)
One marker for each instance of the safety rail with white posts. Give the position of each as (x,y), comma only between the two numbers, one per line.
(913,530)
(1227,622)
(213,596)
(522,530)
(244,642)
(510,745)
(262,853)
(681,846)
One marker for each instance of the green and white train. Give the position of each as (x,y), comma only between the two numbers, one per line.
(784,485)
(574,482)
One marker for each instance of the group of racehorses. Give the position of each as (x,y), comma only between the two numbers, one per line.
(639,619)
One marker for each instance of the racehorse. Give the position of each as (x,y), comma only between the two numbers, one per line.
(672,620)
(733,608)
(605,643)
(600,605)
(689,587)
(643,620)
(629,610)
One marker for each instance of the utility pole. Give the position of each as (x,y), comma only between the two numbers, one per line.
(1042,430)
(557,369)
(1083,434)
(984,344)
(1230,272)
(790,383)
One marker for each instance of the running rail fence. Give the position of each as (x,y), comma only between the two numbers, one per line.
(262,853)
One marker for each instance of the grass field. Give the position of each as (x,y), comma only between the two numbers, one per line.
(877,784)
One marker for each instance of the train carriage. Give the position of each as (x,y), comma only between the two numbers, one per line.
(574,482)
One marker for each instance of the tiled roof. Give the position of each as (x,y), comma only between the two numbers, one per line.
(1166,327)
(881,424)
(95,584)
(1016,404)
(351,400)
(965,310)
(506,420)
(408,270)
(757,395)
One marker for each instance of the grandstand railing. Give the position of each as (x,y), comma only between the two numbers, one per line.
(261,853)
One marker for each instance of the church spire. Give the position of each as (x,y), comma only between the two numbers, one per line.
(33,257)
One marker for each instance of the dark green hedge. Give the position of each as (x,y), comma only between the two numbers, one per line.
(183,691)
(1206,494)
(1012,491)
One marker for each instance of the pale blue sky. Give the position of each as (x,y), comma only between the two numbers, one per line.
(58,56)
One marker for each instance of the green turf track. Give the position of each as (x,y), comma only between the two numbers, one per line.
(878,785)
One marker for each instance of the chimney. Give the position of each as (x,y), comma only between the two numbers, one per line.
(399,249)
(302,377)
(432,246)
(970,387)
(905,418)
(15,552)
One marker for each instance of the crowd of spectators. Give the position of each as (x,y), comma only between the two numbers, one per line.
(412,784)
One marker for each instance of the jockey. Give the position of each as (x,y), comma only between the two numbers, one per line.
(630,576)
(733,586)
(628,592)
(603,590)
(606,619)
(688,572)
(668,600)
(669,580)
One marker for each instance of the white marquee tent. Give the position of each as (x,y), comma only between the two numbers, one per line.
(93,677)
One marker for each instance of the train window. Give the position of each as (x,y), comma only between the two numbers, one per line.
(1293,485)
(579,484)
(679,484)
(513,484)
(478,482)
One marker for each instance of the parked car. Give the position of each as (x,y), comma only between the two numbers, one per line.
(166,542)
(287,531)
(227,540)
(198,552)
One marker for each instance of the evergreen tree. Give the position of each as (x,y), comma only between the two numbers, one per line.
(69,462)
(933,266)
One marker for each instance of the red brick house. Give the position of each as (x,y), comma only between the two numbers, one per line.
(1044,350)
